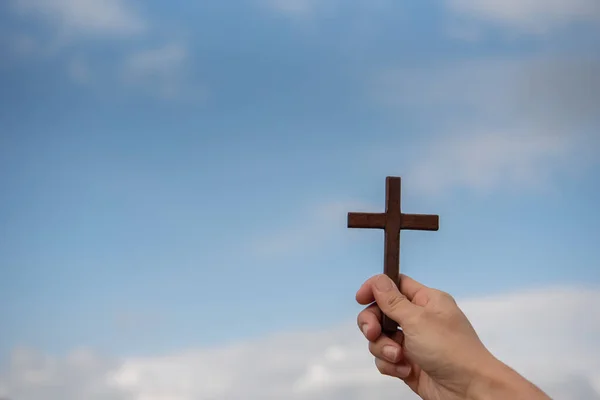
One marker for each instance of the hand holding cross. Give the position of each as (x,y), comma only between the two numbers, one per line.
(392,221)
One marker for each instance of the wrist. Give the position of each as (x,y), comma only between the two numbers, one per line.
(495,380)
(489,378)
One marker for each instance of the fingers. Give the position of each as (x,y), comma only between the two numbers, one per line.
(408,287)
(393,303)
(401,371)
(381,346)
(369,322)
(365,292)
(385,293)
(388,349)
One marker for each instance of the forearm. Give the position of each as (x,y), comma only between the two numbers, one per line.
(497,381)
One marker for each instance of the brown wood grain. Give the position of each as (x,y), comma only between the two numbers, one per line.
(420,222)
(391,255)
(366,220)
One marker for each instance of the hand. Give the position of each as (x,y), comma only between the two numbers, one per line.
(437,353)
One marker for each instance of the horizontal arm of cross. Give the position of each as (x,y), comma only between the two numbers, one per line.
(417,222)
(420,222)
(366,220)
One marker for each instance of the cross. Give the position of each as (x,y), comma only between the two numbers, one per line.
(392,221)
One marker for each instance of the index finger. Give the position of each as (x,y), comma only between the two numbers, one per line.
(408,287)
(369,322)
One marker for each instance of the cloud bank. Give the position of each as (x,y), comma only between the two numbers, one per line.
(550,336)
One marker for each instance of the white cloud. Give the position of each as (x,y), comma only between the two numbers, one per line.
(79,375)
(483,85)
(300,8)
(157,69)
(75,20)
(157,61)
(485,161)
(516,16)
(293,7)
(529,16)
(549,335)
(561,91)
(86,17)
(160,68)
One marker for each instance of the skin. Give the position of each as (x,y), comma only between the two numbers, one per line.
(437,352)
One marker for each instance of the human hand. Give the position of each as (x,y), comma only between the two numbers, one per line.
(437,353)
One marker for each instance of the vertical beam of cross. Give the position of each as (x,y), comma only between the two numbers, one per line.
(392,222)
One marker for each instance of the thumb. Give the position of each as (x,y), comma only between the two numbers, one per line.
(391,302)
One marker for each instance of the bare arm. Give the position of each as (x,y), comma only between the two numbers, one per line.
(499,381)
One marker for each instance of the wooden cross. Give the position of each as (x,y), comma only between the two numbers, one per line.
(392,221)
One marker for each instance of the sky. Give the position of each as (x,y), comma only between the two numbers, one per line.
(176,178)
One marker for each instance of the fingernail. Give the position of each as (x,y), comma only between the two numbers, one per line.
(391,353)
(383,284)
(365,329)
(403,371)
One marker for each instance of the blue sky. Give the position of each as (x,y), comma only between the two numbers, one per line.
(178,176)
